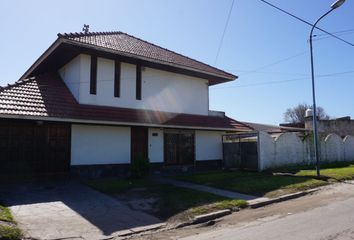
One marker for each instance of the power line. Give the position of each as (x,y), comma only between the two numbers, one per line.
(285,81)
(223,33)
(340,32)
(269,72)
(275,63)
(343,32)
(323,36)
(308,23)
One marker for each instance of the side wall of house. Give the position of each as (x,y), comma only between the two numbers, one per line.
(208,145)
(161,90)
(95,145)
(70,73)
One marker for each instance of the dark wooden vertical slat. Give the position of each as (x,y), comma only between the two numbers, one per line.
(139,143)
(138,82)
(93,76)
(117,67)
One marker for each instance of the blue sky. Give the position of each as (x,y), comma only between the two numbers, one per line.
(257,36)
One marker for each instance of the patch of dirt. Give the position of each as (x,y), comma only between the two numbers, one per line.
(7,224)
(140,199)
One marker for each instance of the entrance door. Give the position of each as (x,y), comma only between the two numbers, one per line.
(139,143)
(179,147)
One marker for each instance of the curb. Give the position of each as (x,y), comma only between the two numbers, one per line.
(136,230)
(251,204)
(218,214)
(205,218)
(257,204)
(210,216)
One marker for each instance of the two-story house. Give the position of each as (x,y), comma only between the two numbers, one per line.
(94,102)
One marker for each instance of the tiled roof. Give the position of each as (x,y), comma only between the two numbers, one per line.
(125,43)
(273,128)
(48,97)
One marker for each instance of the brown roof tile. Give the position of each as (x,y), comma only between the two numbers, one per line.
(125,43)
(47,96)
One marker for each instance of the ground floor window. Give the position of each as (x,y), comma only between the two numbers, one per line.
(179,147)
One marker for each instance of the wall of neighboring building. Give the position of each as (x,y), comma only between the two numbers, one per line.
(208,145)
(94,145)
(156,145)
(341,126)
(161,90)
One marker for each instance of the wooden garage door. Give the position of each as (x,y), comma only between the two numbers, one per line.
(30,148)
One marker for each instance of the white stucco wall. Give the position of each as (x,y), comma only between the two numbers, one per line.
(208,145)
(348,148)
(266,151)
(172,92)
(99,145)
(156,145)
(332,148)
(70,73)
(161,90)
(289,149)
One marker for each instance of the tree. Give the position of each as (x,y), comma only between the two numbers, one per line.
(297,114)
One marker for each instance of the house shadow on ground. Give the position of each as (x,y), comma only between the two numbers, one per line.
(68,206)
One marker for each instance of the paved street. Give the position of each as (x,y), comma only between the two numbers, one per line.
(334,221)
(326,215)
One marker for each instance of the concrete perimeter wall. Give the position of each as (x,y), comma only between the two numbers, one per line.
(288,148)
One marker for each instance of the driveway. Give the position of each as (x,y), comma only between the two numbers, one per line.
(69,210)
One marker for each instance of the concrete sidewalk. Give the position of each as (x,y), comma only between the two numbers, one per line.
(70,210)
(216,191)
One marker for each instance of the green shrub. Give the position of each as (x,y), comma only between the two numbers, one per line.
(140,167)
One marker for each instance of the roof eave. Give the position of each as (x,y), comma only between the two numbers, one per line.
(117,123)
(44,55)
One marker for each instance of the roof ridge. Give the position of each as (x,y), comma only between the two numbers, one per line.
(17,83)
(83,34)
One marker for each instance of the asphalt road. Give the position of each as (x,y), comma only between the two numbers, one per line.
(335,220)
(326,215)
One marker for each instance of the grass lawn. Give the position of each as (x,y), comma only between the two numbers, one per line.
(171,202)
(8,228)
(273,183)
(333,171)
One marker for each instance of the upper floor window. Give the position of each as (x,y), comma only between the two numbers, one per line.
(138,82)
(117,78)
(93,75)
